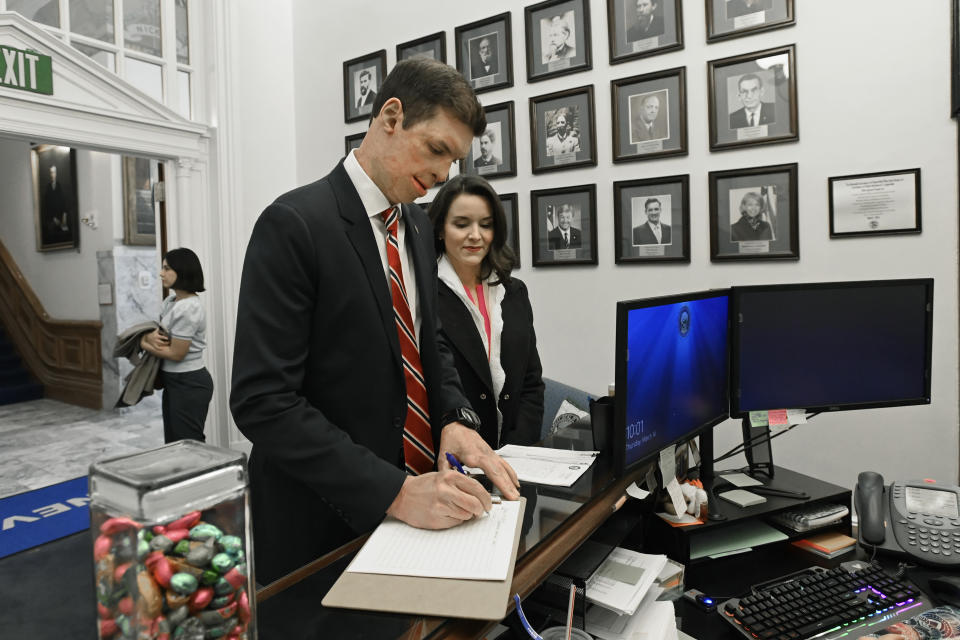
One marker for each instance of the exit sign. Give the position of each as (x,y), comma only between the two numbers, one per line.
(26,70)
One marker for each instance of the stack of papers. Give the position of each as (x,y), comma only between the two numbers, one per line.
(622,581)
(653,620)
(540,465)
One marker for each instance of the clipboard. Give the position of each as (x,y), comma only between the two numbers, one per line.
(442,597)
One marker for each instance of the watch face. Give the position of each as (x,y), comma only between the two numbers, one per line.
(468,417)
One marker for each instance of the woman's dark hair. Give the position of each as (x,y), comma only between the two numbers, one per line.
(500,258)
(186,264)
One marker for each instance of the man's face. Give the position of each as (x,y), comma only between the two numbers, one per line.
(412,160)
(653,212)
(561,125)
(364,83)
(651,107)
(486,147)
(750,93)
(53,174)
(566,217)
(484,49)
(558,35)
(644,9)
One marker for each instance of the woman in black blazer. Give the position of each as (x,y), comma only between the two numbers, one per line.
(485,314)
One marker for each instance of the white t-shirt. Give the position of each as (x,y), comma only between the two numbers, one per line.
(185,319)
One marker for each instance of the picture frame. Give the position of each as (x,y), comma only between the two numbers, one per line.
(55,206)
(736,18)
(955,59)
(352,141)
(562,130)
(635,202)
(140,179)
(433,46)
(493,154)
(753,214)
(512,214)
(641,28)
(558,38)
(650,115)
(753,99)
(485,53)
(362,78)
(875,204)
(570,209)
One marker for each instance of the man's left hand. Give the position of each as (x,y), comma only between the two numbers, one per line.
(471,450)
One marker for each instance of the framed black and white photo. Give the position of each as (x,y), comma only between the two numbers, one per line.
(881,203)
(753,99)
(652,220)
(753,214)
(55,197)
(558,38)
(955,59)
(485,53)
(639,28)
(564,225)
(512,214)
(352,141)
(650,116)
(362,78)
(562,130)
(433,46)
(735,18)
(493,154)
(140,179)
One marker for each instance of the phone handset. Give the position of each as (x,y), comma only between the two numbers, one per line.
(868,501)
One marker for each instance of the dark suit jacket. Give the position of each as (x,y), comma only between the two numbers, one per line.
(555,238)
(318,386)
(477,70)
(643,234)
(646,30)
(521,400)
(369,99)
(657,132)
(738,119)
(741,231)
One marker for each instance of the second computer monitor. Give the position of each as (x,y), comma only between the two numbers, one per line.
(671,372)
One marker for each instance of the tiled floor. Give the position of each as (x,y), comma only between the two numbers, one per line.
(43,442)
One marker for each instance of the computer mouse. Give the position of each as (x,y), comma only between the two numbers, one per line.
(946,589)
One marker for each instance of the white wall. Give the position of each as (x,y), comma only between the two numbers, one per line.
(65,281)
(856,115)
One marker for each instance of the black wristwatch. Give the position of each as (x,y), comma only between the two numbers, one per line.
(464,415)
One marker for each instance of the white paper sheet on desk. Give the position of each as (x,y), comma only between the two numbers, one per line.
(622,597)
(479,549)
(540,465)
(608,625)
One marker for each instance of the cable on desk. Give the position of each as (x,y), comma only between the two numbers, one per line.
(760,438)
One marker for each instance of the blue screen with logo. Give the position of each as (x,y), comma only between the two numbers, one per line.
(676,373)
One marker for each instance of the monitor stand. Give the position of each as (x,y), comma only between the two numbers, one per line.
(757,449)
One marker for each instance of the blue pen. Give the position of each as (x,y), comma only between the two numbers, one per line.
(452,459)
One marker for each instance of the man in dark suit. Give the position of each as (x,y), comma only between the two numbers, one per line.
(754,111)
(319,385)
(646,125)
(484,61)
(649,24)
(486,158)
(652,231)
(53,212)
(564,235)
(367,95)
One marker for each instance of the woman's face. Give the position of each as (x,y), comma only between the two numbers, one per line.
(752,207)
(167,275)
(468,232)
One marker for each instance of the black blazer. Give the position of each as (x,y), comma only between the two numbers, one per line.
(521,400)
(318,386)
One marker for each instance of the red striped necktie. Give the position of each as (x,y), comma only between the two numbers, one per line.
(418,450)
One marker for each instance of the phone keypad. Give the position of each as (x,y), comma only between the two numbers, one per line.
(925,535)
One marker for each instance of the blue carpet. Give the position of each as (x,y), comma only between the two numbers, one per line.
(37,517)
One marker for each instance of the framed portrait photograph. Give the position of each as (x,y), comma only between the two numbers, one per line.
(352,141)
(735,18)
(639,28)
(650,116)
(140,178)
(562,130)
(564,225)
(558,38)
(753,99)
(485,53)
(753,214)
(433,46)
(509,202)
(652,220)
(361,78)
(881,203)
(55,197)
(493,154)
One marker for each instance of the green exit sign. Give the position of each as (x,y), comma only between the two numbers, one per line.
(27,70)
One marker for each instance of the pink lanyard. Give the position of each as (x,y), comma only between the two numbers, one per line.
(483,311)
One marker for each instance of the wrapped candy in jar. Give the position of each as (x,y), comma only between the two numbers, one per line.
(171,538)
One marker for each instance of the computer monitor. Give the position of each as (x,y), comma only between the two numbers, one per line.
(831,346)
(671,372)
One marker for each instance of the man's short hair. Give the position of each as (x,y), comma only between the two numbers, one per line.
(560,22)
(648,98)
(365,72)
(748,76)
(423,85)
(649,201)
(490,134)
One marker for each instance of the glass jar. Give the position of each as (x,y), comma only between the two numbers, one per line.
(172,544)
